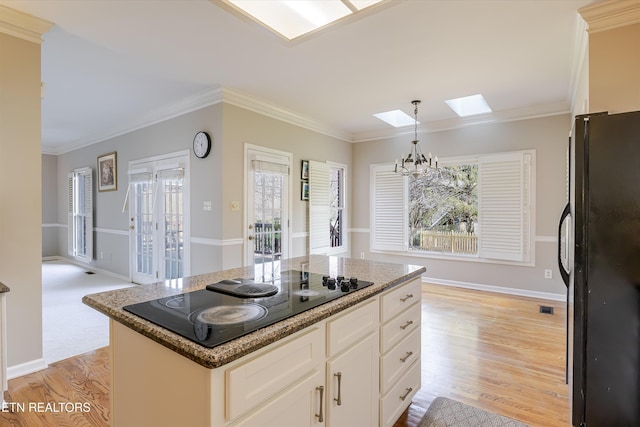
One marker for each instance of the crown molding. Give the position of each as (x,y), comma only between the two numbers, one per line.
(22,25)
(515,114)
(610,14)
(186,105)
(266,109)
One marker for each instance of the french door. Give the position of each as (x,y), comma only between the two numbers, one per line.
(267,209)
(158,212)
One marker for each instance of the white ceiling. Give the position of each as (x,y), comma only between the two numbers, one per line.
(111,66)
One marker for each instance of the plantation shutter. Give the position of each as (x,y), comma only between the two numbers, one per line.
(504,203)
(88,211)
(70,245)
(389,216)
(80,214)
(319,215)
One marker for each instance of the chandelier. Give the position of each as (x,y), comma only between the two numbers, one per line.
(416,164)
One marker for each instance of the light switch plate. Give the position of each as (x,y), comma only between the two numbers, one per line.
(207,205)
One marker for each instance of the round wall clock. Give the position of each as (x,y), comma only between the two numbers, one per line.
(201,144)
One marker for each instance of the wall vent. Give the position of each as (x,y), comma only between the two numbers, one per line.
(546,310)
(89,272)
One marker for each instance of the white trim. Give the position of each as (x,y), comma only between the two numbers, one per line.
(448,257)
(54,225)
(216,242)
(111,231)
(359,230)
(300,235)
(546,239)
(26,368)
(498,289)
(23,25)
(85,266)
(607,15)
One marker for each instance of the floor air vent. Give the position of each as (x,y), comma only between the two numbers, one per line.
(89,272)
(546,310)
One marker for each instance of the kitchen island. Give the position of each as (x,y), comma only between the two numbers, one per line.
(340,363)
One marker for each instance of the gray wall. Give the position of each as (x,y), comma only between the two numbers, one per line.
(219,178)
(547,135)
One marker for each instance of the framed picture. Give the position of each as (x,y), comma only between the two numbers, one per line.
(304,193)
(304,174)
(107,172)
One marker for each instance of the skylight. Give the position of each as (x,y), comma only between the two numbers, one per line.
(469,105)
(294,18)
(396,118)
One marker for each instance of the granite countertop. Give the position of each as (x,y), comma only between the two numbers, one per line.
(3,288)
(383,275)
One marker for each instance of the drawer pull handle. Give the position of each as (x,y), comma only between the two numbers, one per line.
(319,416)
(409,390)
(406,356)
(406,298)
(338,399)
(406,325)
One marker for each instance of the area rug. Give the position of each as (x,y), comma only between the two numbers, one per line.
(444,412)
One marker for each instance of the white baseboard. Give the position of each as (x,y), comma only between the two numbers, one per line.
(26,368)
(88,267)
(499,289)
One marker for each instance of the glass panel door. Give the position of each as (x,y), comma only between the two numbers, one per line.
(267,212)
(173,227)
(141,209)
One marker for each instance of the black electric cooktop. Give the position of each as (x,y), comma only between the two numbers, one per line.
(231,308)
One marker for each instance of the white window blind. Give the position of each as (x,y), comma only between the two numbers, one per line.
(80,214)
(319,215)
(389,216)
(504,206)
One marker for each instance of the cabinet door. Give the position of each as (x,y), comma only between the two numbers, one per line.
(357,387)
(297,406)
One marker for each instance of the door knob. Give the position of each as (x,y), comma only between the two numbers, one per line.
(251,237)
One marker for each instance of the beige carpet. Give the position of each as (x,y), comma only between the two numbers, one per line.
(69,327)
(445,412)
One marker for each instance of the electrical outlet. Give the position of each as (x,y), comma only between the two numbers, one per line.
(361,255)
(548,274)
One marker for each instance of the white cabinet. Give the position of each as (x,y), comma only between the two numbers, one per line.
(359,367)
(352,385)
(298,405)
(400,313)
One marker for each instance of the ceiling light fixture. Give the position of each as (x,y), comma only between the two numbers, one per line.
(416,164)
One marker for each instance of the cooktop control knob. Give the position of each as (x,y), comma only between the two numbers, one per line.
(331,283)
(344,286)
(324,280)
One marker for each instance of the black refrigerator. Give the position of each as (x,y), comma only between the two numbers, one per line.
(603,337)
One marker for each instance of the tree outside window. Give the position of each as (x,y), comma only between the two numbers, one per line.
(443,210)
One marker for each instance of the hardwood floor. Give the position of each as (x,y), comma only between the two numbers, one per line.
(495,352)
(492,351)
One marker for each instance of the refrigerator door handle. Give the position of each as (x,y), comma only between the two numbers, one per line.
(563,263)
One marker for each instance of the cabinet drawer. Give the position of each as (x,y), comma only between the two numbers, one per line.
(352,326)
(399,397)
(395,363)
(400,326)
(259,378)
(400,299)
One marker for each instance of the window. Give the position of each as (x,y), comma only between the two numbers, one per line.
(479,207)
(443,210)
(327,215)
(80,214)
